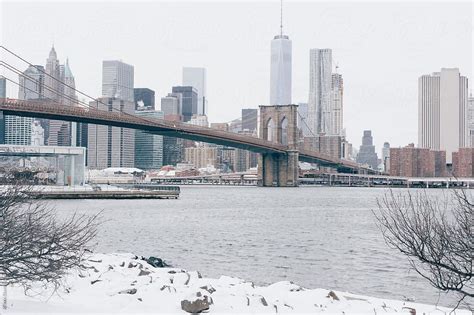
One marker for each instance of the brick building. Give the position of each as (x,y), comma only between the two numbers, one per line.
(463,161)
(417,162)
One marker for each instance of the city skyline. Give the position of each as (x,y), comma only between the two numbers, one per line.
(362,97)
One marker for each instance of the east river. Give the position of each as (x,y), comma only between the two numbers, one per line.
(317,237)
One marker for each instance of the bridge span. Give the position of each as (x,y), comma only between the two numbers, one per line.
(273,152)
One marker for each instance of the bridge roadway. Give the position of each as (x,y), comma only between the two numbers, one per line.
(50,110)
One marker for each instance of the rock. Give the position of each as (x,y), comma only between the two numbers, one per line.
(332,295)
(128,291)
(143,273)
(122,264)
(95,281)
(156,262)
(264,302)
(130,265)
(196,305)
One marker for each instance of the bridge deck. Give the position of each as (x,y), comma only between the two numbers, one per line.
(49,110)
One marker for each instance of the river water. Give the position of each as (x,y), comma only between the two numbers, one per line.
(317,237)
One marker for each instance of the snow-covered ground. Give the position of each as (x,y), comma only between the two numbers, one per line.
(124,283)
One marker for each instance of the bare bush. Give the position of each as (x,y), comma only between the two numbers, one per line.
(34,244)
(435,234)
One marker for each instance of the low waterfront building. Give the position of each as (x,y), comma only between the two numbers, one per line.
(417,162)
(463,162)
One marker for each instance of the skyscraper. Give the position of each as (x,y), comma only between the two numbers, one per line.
(303,119)
(196,77)
(59,133)
(336,124)
(386,156)
(59,86)
(3,94)
(109,146)
(189,101)
(367,153)
(170,106)
(3,87)
(31,86)
(470,118)
(53,76)
(249,119)
(173,148)
(68,89)
(117,80)
(148,147)
(144,97)
(31,83)
(443,111)
(280,68)
(320,82)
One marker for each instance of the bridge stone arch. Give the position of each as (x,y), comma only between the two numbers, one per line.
(278,123)
(269,130)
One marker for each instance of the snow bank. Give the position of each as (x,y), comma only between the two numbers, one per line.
(124,283)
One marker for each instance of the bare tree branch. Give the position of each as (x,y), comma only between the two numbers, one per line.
(34,244)
(436,235)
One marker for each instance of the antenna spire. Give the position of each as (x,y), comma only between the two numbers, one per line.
(281,17)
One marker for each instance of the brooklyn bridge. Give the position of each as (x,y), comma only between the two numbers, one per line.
(277,144)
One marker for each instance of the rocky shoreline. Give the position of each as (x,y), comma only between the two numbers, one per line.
(126,283)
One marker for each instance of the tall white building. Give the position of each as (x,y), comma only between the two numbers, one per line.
(196,77)
(443,111)
(320,82)
(280,70)
(470,119)
(117,80)
(337,107)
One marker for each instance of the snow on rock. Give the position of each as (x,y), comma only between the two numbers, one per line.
(125,283)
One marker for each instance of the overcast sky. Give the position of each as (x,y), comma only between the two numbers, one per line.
(381,50)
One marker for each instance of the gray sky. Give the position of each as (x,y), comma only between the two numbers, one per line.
(381,50)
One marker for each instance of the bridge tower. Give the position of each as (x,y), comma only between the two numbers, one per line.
(278,123)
